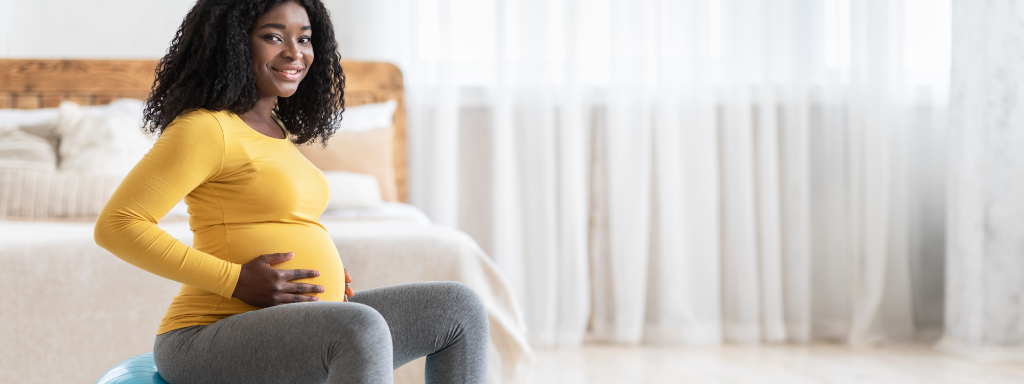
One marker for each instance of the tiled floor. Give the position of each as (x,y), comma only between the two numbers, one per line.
(819,363)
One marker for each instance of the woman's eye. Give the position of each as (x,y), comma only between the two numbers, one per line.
(304,40)
(272,38)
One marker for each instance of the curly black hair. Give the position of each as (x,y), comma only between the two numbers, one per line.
(209,66)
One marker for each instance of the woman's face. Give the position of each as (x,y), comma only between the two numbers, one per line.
(282,50)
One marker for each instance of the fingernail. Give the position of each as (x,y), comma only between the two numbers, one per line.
(291,254)
(316,299)
(316,274)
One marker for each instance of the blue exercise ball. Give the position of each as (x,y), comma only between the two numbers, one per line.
(136,370)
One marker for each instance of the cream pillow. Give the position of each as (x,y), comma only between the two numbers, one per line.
(351,190)
(38,122)
(364,144)
(368,152)
(21,150)
(102,140)
(33,195)
(46,132)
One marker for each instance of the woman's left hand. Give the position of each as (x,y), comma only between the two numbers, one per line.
(348,290)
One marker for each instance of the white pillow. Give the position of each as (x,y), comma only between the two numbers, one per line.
(21,150)
(47,116)
(20,117)
(387,211)
(101,140)
(368,116)
(353,190)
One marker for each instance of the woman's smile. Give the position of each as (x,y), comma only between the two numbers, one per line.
(289,72)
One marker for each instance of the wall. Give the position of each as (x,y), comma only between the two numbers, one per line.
(132,29)
(90,29)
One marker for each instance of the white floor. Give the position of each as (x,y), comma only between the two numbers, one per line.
(818,363)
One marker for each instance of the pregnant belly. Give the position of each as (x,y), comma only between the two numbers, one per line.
(313,249)
(311,245)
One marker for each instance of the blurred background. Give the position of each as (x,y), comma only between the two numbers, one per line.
(695,172)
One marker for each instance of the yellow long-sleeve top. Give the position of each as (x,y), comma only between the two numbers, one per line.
(248,194)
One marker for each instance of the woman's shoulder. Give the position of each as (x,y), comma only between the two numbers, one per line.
(198,123)
(200,116)
(204,119)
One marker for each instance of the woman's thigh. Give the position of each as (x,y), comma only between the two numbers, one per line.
(292,343)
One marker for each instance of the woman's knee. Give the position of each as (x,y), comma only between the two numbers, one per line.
(356,325)
(467,302)
(464,293)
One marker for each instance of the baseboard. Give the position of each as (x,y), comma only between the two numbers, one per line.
(982,353)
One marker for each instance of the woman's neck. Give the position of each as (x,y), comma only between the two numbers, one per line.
(263,107)
(259,117)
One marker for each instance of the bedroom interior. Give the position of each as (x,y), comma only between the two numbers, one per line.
(648,191)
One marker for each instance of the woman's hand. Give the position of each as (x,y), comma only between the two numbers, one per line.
(261,285)
(348,290)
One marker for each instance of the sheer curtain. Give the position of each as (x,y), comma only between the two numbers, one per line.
(686,172)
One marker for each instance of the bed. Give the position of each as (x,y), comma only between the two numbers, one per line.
(71,310)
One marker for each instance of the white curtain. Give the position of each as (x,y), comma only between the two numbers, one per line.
(686,172)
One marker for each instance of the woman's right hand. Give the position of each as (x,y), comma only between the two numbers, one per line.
(261,285)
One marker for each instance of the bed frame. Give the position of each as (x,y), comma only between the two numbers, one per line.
(31,84)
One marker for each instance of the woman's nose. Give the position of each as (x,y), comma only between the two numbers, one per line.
(292,51)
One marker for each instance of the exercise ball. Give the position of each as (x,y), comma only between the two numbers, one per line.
(136,370)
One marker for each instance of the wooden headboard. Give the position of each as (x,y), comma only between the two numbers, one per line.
(31,84)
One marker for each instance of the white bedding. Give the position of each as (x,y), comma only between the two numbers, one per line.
(386,211)
(72,310)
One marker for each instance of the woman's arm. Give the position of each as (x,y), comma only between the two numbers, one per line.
(189,153)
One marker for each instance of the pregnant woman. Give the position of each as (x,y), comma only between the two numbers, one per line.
(264,297)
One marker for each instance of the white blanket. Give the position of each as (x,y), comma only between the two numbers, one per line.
(70,310)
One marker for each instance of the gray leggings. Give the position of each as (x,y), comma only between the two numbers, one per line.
(328,342)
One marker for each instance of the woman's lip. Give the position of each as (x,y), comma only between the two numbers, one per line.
(288,76)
